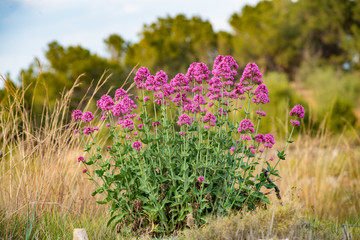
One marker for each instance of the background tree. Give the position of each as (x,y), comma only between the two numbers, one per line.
(116,46)
(172,44)
(267,34)
(65,65)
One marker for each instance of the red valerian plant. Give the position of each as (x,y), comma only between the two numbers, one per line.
(193,156)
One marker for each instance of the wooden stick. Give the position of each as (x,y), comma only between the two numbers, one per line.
(80,234)
(277,190)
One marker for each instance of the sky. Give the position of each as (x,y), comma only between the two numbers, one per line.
(27,26)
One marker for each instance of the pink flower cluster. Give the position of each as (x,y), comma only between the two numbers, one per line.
(268,139)
(245,125)
(295,123)
(141,75)
(225,67)
(210,117)
(260,113)
(184,119)
(298,111)
(77,114)
(120,93)
(261,94)
(136,145)
(201,179)
(85,117)
(105,103)
(89,130)
(124,107)
(251,75)
(198,72)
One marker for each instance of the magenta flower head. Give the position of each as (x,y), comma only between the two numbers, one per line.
(210,117)
(261,98)
(261,89)
(136,145)
(199,99)
(184,119)
(198,72)
(246,137)
(180,83)
(84,170)
(298,111)
(89,130)
(295,123)
(251,75)
(105,103)
(81,159)
(261,113)
(87,116)
(259,138)
(225,67)
(269,140)
(160,78)
(77,115)
(245,125)
(128,123)
(141,76)
(232,149)
(201,179)
(120,93)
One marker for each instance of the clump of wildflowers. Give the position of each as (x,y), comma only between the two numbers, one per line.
(154,169)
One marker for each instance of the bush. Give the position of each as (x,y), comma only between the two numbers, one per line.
(169,170)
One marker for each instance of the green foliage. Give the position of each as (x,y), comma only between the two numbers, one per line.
(267,33)
(337,94)
(29,224)
(173,44)
(282,95)
(280,34)
(65,66)
(341,115)
(116,46)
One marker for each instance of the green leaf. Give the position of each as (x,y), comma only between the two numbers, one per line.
(265,200)
(281,155)
(103,202)
(270,185)
(99,172)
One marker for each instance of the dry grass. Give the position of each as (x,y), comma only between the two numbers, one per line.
(323,174)
(277,222)
(39,164)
